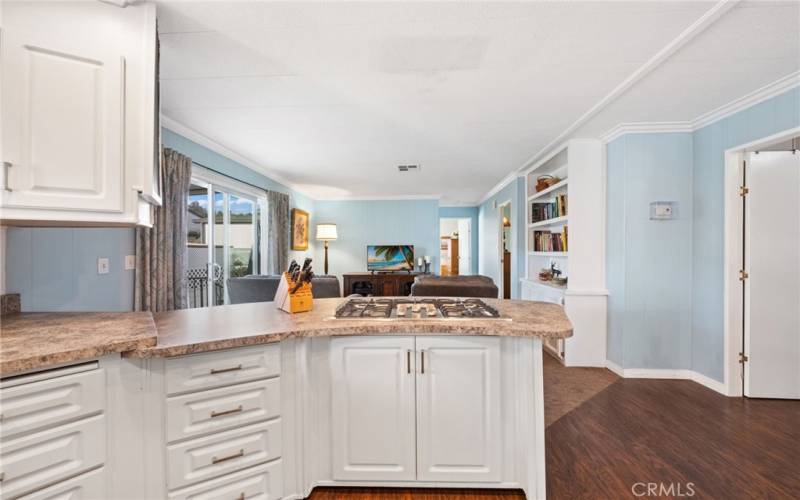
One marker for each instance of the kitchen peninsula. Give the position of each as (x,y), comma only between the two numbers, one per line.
(245,400)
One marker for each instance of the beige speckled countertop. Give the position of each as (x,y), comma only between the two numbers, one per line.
(36,340)
(212,328)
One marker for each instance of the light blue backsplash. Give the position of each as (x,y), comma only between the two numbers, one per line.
(55,269)
(488,224)
(649,263)
(708,237)
(464,212)
(378,222)
(653,268)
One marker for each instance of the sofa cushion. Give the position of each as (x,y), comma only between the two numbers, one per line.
(454,286)
(262,288)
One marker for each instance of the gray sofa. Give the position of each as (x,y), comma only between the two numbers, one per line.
(262,288)
(454,286)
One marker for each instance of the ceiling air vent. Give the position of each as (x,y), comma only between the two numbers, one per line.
(409,168)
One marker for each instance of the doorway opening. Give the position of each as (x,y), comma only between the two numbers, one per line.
(504,225)
(455,238)
(762,262)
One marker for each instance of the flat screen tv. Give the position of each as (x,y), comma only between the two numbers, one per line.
(390,257)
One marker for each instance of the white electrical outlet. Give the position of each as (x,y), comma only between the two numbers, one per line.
(130,262)
(103,265)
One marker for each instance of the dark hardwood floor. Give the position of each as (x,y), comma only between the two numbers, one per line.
(667,432)
(674,432)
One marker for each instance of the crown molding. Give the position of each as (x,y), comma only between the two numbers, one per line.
(645,128)
(499,186)
(208,143)
(766,92)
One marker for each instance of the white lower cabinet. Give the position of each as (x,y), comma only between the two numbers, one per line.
(221,453)
(458,409)
(373,408)
(263,482)
(416,408)
(88,486)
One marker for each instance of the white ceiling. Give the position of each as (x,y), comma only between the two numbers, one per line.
(331,97)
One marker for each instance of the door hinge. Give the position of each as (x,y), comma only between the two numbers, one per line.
(743,275)
(743,358)
(743,190)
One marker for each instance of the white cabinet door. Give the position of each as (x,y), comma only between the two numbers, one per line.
(372,391)
(458,409)
(62,114)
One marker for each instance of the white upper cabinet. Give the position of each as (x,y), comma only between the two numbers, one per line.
(373,408)
(78,112)
(62,124)
(459,434)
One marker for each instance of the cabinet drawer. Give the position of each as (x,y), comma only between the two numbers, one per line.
(49,402)
(43,457)
(203,371)
(88,486)
(219,409)
(263,482)
(221,453)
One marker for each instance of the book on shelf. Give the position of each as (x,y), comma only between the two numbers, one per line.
(549,210)
(549,241)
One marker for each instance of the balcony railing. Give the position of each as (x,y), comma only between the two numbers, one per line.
(197,283)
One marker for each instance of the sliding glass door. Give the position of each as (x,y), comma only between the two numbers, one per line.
(224,239)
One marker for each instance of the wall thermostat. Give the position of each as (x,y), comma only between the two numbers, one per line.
(662,210)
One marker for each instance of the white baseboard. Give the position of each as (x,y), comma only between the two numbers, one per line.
(694,376)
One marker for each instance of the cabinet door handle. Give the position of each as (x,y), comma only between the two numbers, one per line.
(422,359)
(215,414)
(225,370)
(6,166)
(408,361)
(239,454)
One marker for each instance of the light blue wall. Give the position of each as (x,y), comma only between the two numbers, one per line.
(649,263)
(379,222)
(653,268)
(55,269)
(489,230)
(710,143)
(471,213)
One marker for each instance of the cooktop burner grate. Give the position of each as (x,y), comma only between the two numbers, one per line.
(416,308)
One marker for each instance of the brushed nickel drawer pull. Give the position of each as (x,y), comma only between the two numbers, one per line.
(215,414)
(408,361)
(422,357)
(6,166)
(226,370)
(239,454)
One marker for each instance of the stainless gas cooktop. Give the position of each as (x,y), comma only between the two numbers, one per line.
(417,308)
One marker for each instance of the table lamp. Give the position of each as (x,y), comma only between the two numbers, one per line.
(326,232)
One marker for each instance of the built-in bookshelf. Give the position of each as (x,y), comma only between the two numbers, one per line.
(565,230)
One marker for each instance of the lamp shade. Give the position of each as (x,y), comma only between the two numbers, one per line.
(326,232)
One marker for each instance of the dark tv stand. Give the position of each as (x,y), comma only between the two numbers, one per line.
(388,284)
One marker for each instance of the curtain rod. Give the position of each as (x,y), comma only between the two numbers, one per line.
(229,176)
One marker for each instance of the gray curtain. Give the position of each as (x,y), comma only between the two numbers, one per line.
(278,225)
(161,251)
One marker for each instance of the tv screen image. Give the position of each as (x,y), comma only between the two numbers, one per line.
(390,257)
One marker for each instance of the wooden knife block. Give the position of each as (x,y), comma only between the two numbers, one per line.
(300,301)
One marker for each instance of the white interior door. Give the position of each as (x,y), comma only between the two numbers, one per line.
(772,290)
(372,399)
(62,114)
(458,409)
(464,246)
